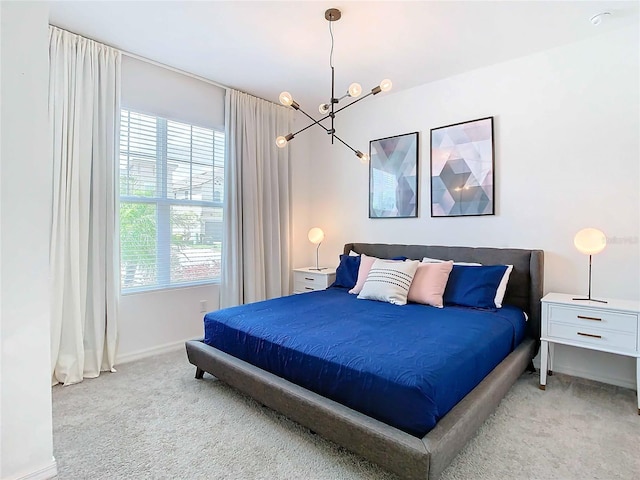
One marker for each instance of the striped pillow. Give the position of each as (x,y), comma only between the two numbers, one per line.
(389,281)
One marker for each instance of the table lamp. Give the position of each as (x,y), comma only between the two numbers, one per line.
(590,241)
(316,235)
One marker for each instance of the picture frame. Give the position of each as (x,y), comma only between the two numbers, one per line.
(462,169)
(393,176)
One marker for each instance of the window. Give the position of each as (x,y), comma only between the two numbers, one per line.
(171,190)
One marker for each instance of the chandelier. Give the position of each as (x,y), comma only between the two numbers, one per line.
(329,109)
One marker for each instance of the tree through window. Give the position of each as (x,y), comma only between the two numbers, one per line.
(171,191)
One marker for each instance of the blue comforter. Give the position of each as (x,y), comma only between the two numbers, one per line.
(406,365)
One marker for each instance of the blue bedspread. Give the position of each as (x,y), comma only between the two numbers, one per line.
(406,365)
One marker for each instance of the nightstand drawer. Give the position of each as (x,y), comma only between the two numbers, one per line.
(305,287)
(589,318)
(606,339)
(310,280)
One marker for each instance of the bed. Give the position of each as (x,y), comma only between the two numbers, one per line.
(421,448)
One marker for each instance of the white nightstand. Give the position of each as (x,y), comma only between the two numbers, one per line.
(608,327)
(308,279)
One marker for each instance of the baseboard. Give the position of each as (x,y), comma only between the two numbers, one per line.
(575,372)
(149,352)
(45,473)
(560,367)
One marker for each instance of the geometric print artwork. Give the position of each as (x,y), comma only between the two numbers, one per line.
(393,177)
(462,164)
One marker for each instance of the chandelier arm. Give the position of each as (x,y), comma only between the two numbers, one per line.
(355,101)
(313,119)
(339,98)
(346,144)
(311,125)
(314,122)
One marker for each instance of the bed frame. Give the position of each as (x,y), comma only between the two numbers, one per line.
(408,456)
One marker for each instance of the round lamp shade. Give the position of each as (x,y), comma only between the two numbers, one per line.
(590,241)
(316,235)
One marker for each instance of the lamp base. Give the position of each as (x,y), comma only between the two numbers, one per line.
(590,300)
(319,269)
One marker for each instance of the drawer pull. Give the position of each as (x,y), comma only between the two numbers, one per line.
(308,288)
(582,317)
(589,335)
(307,278)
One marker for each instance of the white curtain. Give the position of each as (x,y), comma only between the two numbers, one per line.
(84,113)
(256,255)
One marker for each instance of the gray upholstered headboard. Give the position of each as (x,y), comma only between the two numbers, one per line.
(525,285)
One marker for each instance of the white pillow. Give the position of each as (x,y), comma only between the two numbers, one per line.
(436,260)
(431,260)
(353,254)
(502,286)
(389,281)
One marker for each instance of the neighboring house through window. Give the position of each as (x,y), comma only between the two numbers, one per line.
(171,191)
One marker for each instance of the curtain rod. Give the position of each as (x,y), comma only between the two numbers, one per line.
(173,69)
(152,62)
(168,67)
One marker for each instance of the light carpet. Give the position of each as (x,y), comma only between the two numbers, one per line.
(153,420)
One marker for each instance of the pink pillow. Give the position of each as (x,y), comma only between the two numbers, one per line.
(365,265)
(429,283)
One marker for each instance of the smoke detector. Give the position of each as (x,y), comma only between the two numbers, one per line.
(599,18)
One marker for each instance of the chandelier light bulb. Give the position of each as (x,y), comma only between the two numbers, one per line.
(323,108)
(385,85)
(286,99)
(281,142)
(364,157)
(355,89)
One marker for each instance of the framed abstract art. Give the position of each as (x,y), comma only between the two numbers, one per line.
(393,177)
(462,169)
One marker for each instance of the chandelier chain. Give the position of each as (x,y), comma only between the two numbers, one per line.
(331,53)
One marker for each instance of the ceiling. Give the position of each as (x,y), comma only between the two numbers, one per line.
(264,47)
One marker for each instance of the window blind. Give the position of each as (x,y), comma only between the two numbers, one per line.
(171,191)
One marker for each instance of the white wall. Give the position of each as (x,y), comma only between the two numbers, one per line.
(25,399)
(153,322)
(158,321)
(567,151)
